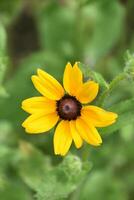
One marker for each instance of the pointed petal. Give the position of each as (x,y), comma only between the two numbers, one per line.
(88,92)
(51,82)
(40,87)
(72,79)
(38,104)
(47,85)
(39,123)
(66,77)
(75,134)
(62,138)
(88,132)
(98,116)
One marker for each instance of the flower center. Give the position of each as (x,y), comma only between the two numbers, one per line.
(68,108)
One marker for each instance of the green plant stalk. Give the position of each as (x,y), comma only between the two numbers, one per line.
(111,86)
(85,152)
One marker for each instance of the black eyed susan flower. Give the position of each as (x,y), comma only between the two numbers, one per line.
(77,122)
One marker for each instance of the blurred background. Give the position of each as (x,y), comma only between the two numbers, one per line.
(48,34)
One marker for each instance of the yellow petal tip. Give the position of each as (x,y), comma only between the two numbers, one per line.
(69,64)
(99,143)
(76,63)
(116,115)
(39,70)
(33,77)
(22,107)
(23,124)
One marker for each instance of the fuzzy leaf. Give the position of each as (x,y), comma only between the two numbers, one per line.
(64,179)
(49,182)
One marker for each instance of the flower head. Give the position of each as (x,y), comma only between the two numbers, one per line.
(77,122)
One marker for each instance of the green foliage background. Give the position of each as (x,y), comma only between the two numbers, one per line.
(47,34)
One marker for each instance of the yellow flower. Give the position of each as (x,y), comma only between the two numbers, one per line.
(77,122)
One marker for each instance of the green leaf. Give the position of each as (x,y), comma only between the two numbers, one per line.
(109,14)
(102,185)
(63,180)
(32,165)
(14,189)
(6,154)
(56,26)
(49,182)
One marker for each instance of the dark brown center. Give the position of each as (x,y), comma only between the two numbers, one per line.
(68,108)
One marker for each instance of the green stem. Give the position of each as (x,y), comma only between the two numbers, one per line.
(85,152)
(112,85)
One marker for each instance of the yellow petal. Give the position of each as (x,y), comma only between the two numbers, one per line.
(51,82)
(88,92)
(75,134)
(40,87)
(62,138)
(72,79)
(98,116)
(39,123)
(88,132)
(38,104)
(47,85)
